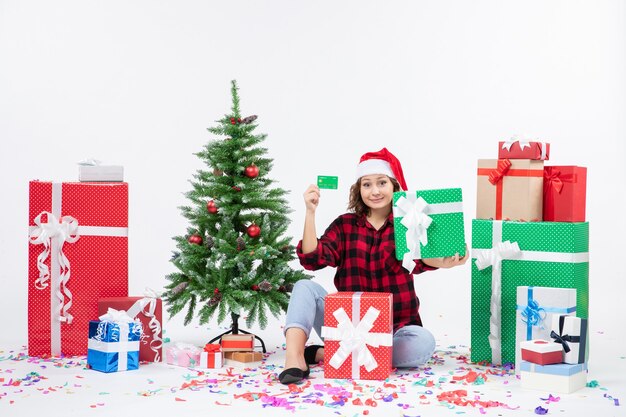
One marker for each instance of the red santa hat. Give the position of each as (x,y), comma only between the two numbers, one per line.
(381,162)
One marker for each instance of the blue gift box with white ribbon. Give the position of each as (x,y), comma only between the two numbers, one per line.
(113,343)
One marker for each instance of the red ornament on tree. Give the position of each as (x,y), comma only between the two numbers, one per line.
(216,291)
(234,187)
(211,207)
(195,239)
(252,171)
(253,230)
(255,287)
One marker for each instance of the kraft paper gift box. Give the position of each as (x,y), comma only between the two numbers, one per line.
(357,333)
(506,255)
(183,354)
(536,306)
(78,248)
(428,224)
(516,149)
(114,342)
(149,310)
(509,189)
(211,356)
(562,378)
(247,359)
(541,352)
(237,342)
(564,193)
(571,333)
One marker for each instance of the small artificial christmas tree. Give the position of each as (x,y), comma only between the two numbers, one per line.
(234,257)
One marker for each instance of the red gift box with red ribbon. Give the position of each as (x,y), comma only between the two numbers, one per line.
(78,253)
(149,310)
(509,189)
(358,335)
(564,193)
(519,149)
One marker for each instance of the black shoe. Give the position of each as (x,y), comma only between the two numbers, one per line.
(293,375)
(310,352)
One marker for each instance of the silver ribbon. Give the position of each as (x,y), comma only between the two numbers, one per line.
(138,307)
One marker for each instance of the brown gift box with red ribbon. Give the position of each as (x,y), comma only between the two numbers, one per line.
(564,193)
(237,342)
(509,189)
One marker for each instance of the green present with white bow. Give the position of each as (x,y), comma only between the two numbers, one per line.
(428,224)
(508,254)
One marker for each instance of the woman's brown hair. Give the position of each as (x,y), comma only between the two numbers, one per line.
(356,204)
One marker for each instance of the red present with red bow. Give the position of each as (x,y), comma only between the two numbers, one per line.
(520,149)
(358,335)
(78,253)
(509,189)
(149,310)
(564,193)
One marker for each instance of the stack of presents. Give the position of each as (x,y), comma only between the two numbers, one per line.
(530,267)
(78,301)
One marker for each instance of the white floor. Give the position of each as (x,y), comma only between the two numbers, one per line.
(63,387)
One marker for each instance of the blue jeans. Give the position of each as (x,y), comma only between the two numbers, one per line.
(412,345)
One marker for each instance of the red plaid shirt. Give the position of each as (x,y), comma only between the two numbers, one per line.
(365,261)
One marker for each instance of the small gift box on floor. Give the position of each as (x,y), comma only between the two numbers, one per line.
(237,342)
(520,149)
(114,342)
(509,189)
(183,354)
(541,352)
(149,310)
(428,224)
(571,333)
(563,378)
(247,359)
(211,356)
(564,193)
(358,335)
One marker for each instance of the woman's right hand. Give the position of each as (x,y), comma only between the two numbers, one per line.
(312,197)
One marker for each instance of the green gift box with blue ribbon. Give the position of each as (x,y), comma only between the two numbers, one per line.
(428,224)
(536,307)
(509,254)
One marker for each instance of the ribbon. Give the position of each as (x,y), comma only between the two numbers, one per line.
(565,339)
(150,300)
(534,315)
(89,162)
(495,178)
(553,179)
(211,347)
(354,337)
(120,334)
(52,234)
(493,257)
(415,217)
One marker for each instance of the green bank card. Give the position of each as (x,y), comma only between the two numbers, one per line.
(324,181)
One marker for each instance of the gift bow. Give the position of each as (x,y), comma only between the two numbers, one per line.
(354,339)
(555,180)
(150,300)
(417,222)
(496,175)
(494,256)
(522,144)
(64,230)
(564,339)
(211,347)
(116,316)
(533,314)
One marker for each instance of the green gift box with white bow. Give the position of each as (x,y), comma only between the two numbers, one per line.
(508,254)
(428,224)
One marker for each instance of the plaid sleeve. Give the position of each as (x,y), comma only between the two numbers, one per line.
(421,267)
(328,251)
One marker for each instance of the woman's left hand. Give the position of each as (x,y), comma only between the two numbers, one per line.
(447,262)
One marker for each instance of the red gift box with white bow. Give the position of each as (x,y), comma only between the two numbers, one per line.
(78,253)
(358,335)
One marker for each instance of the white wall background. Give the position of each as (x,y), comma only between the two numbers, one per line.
(437,82)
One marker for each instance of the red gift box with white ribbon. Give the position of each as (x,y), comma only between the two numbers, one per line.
(523,149)
(358,335)
(78,253)
(149,310)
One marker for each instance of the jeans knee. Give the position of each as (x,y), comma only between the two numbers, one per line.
(412,346)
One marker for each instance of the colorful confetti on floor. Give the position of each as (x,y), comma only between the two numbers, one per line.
(448,385)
